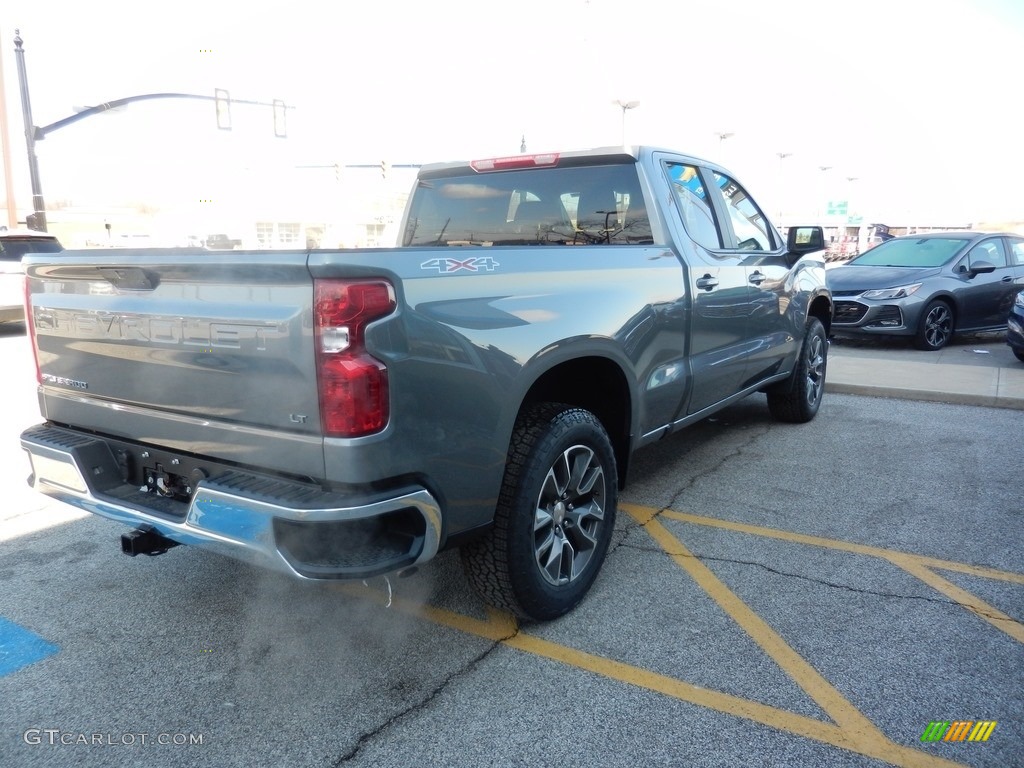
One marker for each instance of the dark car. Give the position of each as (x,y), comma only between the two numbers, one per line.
(929,286)
(14,244)
(1015,327)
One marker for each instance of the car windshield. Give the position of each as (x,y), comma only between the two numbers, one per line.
(12,249)
(911,252)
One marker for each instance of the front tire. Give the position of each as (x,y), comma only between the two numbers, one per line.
(936,326)
(554,516)
(798,399)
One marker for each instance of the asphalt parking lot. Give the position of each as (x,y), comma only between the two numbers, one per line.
(776,595)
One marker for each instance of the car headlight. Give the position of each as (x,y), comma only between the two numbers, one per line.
(1019,301)
(891,293)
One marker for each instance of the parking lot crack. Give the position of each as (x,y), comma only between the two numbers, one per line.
(824,582)
(690,482)
(425,702)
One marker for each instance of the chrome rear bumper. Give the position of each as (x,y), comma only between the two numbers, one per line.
(275,523)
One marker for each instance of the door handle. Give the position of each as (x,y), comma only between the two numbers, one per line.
(757,278)
(707,282)
(1006,279)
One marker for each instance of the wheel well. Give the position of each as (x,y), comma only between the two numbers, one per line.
(821,308)
(949,301)
(598,385)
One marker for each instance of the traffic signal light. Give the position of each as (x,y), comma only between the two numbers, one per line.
(280,126)
(383,169)
(223,103)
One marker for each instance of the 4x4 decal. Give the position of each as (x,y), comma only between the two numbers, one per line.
(472,264)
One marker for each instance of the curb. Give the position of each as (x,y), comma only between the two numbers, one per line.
(931,396)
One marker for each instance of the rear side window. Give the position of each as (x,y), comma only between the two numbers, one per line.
(698,217)
(588,205)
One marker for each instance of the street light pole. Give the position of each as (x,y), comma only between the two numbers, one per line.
(821,211)
(782,156)
(38,205)
(625,105)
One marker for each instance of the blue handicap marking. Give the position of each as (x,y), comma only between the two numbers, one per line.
(20,647)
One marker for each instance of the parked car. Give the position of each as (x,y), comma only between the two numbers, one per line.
(1015,327)
(221,242)
(15,243)
(929,286)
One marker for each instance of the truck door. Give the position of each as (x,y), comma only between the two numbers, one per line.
(720,294)
(746,230)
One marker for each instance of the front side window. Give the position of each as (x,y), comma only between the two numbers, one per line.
(990,251)
(748,223)
(698,218)
(582,205)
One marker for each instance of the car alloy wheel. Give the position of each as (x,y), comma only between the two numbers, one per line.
(570,512)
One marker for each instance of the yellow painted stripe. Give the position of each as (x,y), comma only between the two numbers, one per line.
(646,513)
(803,674)
(968,600)
(500,627)
(916,565)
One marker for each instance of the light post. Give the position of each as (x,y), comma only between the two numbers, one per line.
(38,205)
(722,136)
(821,215)
(625,105)
(782,156)
(850,209)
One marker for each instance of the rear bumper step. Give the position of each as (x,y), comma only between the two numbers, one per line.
(272,522)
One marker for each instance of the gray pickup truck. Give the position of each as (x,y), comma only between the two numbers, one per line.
(344,414)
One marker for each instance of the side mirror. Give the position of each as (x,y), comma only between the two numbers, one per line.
(803,240)
(980,268)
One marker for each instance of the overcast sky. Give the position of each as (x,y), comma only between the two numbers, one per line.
(919,101)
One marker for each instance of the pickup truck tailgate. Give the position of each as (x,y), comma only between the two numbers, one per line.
(209,353)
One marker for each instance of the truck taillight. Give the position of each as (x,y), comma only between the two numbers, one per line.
(353,385)
(30,328)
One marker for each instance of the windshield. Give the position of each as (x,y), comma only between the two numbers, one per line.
(912,252)
(12,249)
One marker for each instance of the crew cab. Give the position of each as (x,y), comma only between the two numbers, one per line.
(342,414)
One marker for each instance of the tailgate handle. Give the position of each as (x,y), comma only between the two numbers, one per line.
(130,278)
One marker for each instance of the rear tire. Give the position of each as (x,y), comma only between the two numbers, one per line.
(797,400)
(554,517)
(1019,354)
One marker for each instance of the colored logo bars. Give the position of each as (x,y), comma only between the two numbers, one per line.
(958,730)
